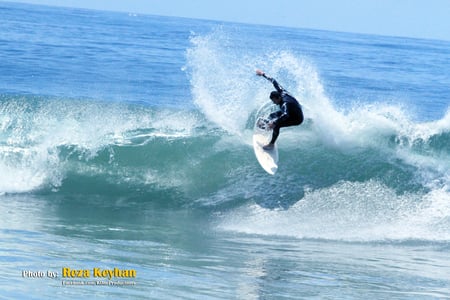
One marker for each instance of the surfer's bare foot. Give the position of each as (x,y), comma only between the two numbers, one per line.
(269,147)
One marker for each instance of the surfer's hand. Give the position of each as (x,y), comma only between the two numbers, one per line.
(271,125)
(259,72)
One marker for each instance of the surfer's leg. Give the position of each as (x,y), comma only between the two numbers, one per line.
(275,134)
(276,129)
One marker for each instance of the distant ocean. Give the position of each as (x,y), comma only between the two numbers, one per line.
(127,170)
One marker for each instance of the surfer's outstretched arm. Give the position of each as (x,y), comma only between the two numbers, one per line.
(274,82)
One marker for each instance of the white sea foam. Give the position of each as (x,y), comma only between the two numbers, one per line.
(350,211)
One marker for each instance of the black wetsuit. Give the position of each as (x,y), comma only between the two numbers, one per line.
(290,113)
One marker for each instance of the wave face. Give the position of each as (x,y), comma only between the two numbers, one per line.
(369,171)
(79,146)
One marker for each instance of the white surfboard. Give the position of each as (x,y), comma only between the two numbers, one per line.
(268,159)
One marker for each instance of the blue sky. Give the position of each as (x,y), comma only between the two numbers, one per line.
(411,18)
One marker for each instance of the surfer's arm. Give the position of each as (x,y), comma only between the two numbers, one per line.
(273,81)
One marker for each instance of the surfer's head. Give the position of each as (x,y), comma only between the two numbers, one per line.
(275,97)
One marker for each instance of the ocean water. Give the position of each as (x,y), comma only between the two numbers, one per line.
(125,143)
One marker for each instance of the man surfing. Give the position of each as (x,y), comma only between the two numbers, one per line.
(290,113)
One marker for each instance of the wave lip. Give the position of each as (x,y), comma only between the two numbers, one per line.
(43,139)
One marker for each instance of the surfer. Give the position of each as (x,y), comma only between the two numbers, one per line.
(290,113)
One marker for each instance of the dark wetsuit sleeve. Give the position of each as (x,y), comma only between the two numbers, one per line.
(275,83)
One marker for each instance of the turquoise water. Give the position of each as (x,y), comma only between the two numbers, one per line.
(125,142)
